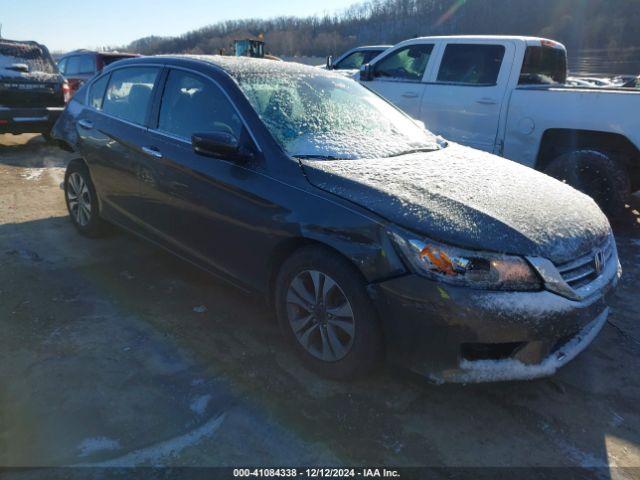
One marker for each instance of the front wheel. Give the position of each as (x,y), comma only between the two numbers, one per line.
(82,201)
(324,310)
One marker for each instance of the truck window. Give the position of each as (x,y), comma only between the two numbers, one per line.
(62,66)
(406,63)
(471,64)
(73,66)
(543,66)
(86,64)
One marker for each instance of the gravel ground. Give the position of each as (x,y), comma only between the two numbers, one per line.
(116,353)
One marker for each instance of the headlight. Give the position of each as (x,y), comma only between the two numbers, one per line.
(490,271)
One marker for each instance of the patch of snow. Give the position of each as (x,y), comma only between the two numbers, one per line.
(155,454)
(97,444)
(200,309)
(32,173)
(199,404)
(531,304)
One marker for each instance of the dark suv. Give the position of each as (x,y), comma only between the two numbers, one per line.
(80,65)
(32,91)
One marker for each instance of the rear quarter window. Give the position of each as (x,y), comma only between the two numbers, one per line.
(96,92)
(543,66)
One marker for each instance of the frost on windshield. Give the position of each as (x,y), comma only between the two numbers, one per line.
(324,115)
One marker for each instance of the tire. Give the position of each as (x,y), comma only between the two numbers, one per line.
(596,174)
(82,201)
(346,355)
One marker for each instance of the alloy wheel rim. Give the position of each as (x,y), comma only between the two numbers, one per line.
(79,199)
(320,315)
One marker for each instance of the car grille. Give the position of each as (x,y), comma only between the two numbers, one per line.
(582,271)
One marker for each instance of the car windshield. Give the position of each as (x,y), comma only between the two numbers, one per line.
(331,117)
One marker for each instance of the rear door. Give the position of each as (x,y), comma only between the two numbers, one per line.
(398,76)
(113,132)
(463,99)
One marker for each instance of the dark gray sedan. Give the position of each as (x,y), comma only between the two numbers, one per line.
(369,235)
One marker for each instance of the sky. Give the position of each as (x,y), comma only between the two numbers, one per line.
(64,25)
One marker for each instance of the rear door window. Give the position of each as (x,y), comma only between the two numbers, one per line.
(408,63)
(470,64)
(128,94)
(191,104)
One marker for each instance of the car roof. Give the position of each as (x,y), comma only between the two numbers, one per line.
(531,41)
(234,66)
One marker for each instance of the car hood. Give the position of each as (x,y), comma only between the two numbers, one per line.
(469,198)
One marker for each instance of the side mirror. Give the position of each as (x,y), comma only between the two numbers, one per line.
(366,73)
(330,62)
(219,144)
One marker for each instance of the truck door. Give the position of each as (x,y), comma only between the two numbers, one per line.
(398,76)
(463,102)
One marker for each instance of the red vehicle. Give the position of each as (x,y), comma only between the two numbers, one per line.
(80,65)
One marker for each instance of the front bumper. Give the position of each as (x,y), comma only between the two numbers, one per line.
(28,120)
(456,334)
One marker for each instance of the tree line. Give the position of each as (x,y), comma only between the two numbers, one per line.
(579,24)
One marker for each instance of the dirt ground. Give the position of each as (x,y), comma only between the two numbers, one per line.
(114,353)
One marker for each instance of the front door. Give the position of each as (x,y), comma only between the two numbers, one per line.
(198,205)
(398,76)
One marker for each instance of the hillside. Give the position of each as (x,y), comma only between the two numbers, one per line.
(579,24)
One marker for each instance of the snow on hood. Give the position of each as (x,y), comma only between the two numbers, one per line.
(470,198)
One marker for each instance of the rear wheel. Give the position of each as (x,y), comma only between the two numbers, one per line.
(596,174)
(82,201)
(324,310)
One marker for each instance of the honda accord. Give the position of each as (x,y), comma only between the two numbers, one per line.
(369,236)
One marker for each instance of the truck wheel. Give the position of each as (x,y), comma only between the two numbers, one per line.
(324,310)
(597,174)
(82,201)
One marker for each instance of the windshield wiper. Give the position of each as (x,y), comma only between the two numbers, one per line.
(415,150)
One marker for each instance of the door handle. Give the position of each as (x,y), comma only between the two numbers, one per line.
(486,101)
(153,151)
(410,95)
(86,124)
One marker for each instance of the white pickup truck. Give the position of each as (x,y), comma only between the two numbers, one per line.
(507,95)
